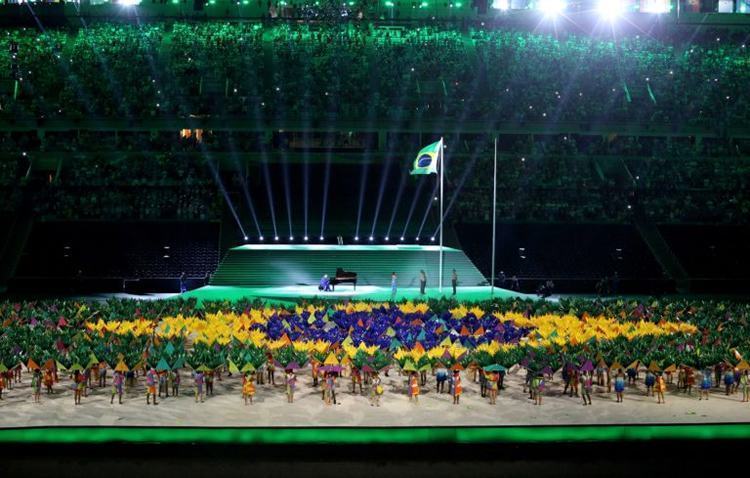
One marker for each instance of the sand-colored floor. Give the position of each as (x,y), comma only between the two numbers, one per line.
(226,408)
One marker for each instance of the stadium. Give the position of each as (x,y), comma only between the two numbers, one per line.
(506,229)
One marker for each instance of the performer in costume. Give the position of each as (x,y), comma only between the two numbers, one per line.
(49,380)
(492,381)
(659,387)
(175,377)
(36,385)
(456,387)
(356,380)
(198,382)
(271,370)
(649,381)
(79,383)
(376,390)
(325,284)
(414,387)
(705,384)
(152,379)
(248,387)
(118,381)
(588,385)
(291,382)
(619,385)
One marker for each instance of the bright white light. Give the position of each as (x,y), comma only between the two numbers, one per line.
(246,238)
(276,238)
(551,8)
(371,238)
(386,238)
(356,238)
(610,9)
(402,238)
(291,238)
(306,238)
(321,238)
(261,238)
(417,238)
(655,6)
(501,4)
(129,3)
(432,239)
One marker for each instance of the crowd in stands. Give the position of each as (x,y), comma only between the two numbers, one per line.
(361,70)
(131,187)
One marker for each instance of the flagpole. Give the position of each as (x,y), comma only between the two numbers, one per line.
(442,174)
(494,218)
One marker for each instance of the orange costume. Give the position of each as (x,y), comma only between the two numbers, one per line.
(248,387)
(413,386)
(48,378)
(660,386)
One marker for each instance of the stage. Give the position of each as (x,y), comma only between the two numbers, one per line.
(291,294)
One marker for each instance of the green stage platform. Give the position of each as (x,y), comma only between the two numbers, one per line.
(401,435)
(273,265)
(292,294)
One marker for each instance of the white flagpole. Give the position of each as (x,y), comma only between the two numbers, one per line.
(494,218)
(442,174)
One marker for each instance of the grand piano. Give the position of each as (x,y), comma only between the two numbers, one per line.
(343,276)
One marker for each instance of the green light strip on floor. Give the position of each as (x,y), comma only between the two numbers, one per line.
(373,435)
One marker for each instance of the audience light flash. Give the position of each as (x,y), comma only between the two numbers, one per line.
(610,9)
(501,4)
(551,8)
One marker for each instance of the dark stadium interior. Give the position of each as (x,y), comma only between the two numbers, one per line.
(141,141)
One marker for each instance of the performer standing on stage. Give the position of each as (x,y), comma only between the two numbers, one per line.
(394,286)
(454,281)
(422,281)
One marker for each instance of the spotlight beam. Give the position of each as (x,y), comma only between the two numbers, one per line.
(215,173)
(269,192)
(429,206)
(397,202)
(287,193)
(245,189)
(383,180)
(411,208)
(306,187)
(468,170)
(326,182)
(362,184)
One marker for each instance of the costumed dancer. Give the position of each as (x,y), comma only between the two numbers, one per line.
(729,380)
(174,375)
(248,387)
(329,389)
(356,380)
(209,378)
(619,385)
(456,387)
(441,376)
(745,386)
(271,370)
(537,387)
(587,387)
(198,383)
(291,382)
(376,390)
(102,375)
(492,381)
(413,387)
(649,381)
(315,372)
(49,380)
(36,385)
(118,381)
(152,379)
(705,384)
(659,387)
(79,383)
(2,384)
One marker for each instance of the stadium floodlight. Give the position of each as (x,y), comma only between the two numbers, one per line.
(306,238)
(386,238)
(129,3)
(655,6)
(551,8)
(321,238)
(610,9)
(416,238)
(291,238)
(432,238)
(276,238)
(261,238)
(356,238)
(503,5)
(371,238)
(246,238)
(402,238)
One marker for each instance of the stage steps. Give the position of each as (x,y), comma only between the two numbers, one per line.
(287,265)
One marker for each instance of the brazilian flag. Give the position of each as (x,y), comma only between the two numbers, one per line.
(427,159)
